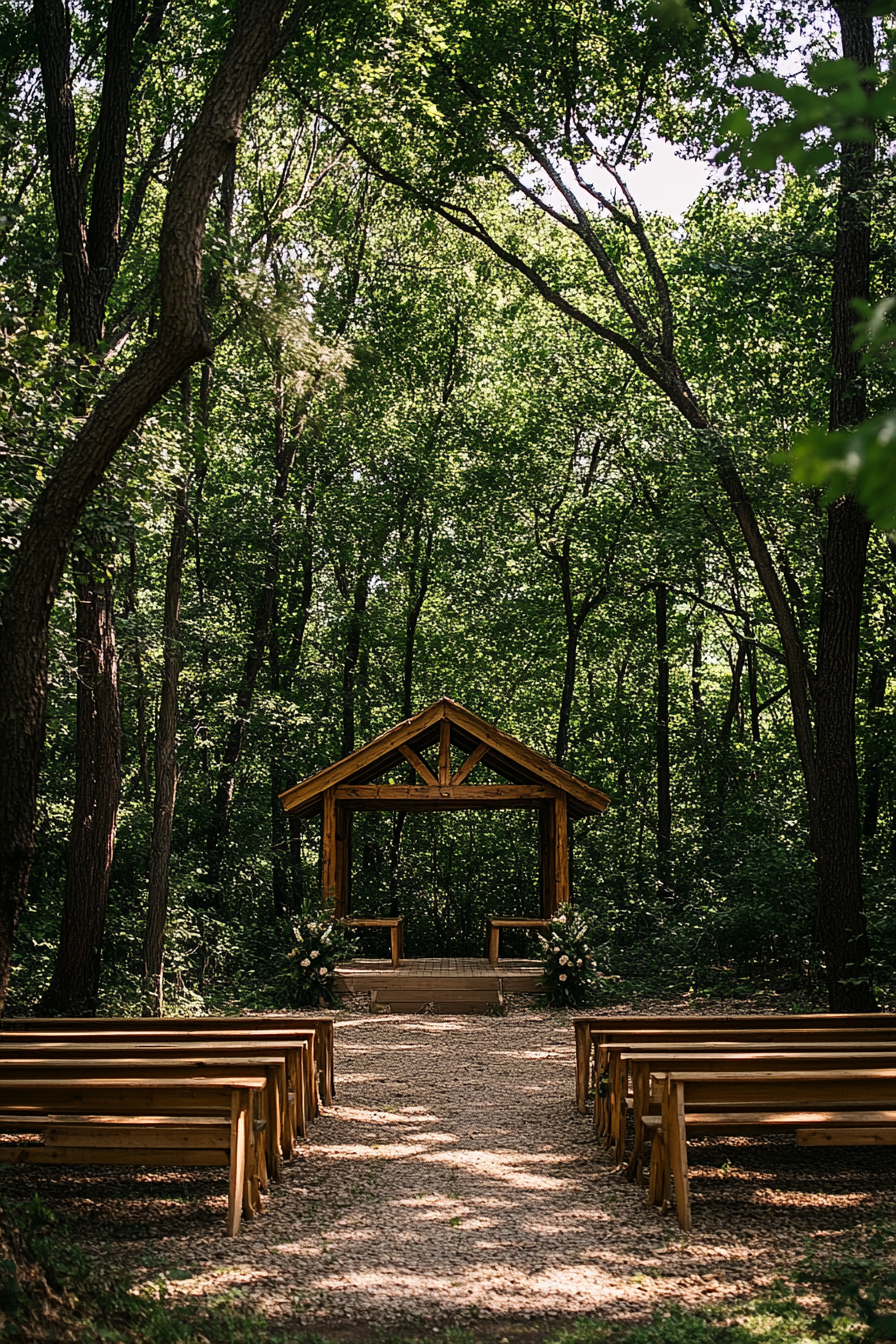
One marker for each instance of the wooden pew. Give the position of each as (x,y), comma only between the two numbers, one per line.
(734,1037)
(285,1129)
(613,1071)
(707,1102)
(243,1026)
(144,1120)
(80,1066)
(317,1031)
(772,1061)
(590,1027)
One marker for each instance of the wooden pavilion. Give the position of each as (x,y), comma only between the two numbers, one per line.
(463,740)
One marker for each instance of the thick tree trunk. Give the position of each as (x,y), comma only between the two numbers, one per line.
(350,661)
(165,763)
(841,916)
(877,692)
(74,988)
(181,340)
(663,758)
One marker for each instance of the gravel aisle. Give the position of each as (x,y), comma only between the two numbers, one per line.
(455,1179)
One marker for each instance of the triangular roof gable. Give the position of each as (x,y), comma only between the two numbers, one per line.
(504,754)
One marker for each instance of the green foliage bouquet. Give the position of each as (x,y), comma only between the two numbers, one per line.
(569,978)
(321,943)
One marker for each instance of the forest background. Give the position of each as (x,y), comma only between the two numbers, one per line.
(454,418)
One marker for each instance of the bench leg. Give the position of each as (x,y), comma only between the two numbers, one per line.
(656,1180)
(583,1063)
(239,1142)
(494,936)
(394,941)
(676,1138)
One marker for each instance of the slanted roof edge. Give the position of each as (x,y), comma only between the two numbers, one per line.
(302,794)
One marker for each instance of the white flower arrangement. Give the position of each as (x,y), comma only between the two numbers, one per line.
(320,945)
(569,978)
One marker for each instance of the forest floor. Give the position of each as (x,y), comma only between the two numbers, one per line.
(455,1182)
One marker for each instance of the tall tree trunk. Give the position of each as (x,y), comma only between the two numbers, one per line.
(182,339)
(877,693)
(663,766)
(165,763)
(350,661)
(841,915)
(142,780)
(74,988)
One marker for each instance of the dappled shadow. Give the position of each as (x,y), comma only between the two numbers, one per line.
(454,1178)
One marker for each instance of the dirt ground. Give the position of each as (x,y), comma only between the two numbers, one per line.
(454,1181)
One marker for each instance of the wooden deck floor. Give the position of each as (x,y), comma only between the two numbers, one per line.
(444,984)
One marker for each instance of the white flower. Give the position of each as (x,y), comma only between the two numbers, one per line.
(564,961)
(305,962)
(579,962)
(315,953)
(561,919)
(323,970)
(563,977)
(555,949)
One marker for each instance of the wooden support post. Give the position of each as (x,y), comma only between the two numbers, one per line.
(546,859)
(445,751)
(328,850)
(343,869)
(561,852)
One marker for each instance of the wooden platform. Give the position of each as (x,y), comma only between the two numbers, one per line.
(443,984)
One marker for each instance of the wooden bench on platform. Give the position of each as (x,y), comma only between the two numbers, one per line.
(395,925)
(494,925)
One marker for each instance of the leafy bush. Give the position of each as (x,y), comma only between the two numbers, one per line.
(321,944)
(569,979)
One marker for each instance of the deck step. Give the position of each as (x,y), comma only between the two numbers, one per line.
(442,984)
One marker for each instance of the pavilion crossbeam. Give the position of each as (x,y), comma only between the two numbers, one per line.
(441,797)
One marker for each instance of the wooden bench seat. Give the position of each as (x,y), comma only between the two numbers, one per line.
(80,1066)
(591,1028)
(607,1045)
(149,1114)
(243,1027)
(705,1101)
(642,1066)
(293,1092)
(394,923)
(493,926)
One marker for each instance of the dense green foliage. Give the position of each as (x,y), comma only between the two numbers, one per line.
(471,466)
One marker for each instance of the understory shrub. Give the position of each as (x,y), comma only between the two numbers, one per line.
(569,978)
(321,944)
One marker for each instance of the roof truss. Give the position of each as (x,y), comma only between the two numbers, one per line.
(447,724)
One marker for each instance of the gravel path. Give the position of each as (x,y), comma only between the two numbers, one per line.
(455,1180)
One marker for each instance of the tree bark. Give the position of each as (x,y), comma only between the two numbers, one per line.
(877,692)
(181,340)
(841,915)
(360,594)
(166,772)
(74,988)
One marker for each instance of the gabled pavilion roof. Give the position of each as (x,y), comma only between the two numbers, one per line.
(496,750)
